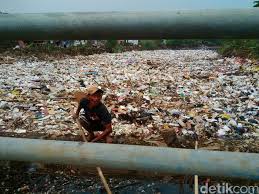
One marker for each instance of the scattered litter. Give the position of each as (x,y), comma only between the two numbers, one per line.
(195,91)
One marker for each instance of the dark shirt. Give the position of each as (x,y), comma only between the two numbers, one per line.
(98,114)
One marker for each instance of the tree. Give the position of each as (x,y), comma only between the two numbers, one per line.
(256,3)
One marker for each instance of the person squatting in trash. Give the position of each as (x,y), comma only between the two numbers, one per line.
(96,117)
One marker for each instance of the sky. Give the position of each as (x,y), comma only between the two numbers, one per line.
(43,6)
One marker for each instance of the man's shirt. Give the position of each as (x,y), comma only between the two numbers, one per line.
(98,114)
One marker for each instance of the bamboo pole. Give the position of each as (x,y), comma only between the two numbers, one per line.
(196,180)
(99,170)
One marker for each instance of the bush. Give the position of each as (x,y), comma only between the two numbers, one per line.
(111,45)
(242,48)
(192,43)
(150,44)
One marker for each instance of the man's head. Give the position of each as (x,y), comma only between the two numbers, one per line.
(94,94)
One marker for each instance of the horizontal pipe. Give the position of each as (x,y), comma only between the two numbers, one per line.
(238,23)
(132,157)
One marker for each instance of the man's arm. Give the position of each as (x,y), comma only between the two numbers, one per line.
(76,114)
(105,133)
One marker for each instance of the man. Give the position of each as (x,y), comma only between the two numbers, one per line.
(96,117)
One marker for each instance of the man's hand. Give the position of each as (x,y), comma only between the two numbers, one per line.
(104,134)
(96,138)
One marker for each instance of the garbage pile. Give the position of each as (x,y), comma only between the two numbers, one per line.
(192,93)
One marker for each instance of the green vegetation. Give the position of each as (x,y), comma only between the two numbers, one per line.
(256,3)
(190,43)
(113,46)
(51,50)
(150,44)
(242,48)
(176,43)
